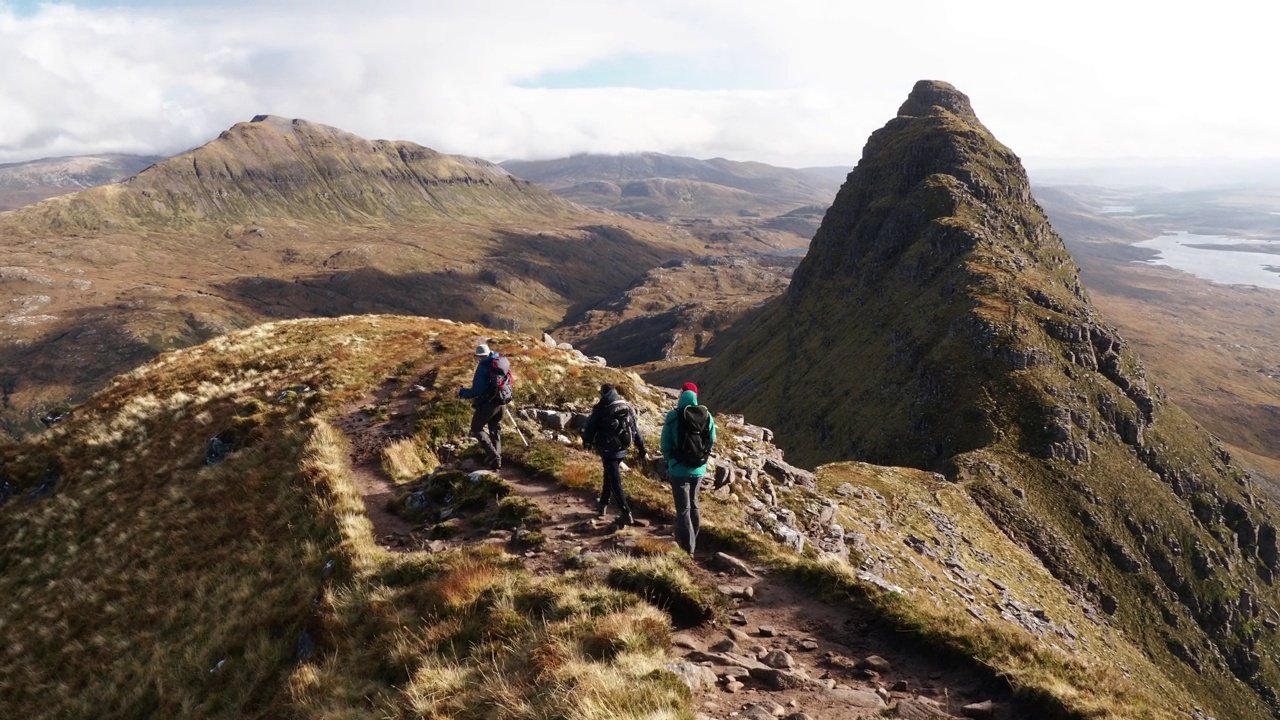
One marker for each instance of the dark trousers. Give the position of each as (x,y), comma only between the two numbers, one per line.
(613,485)
(486,428)
(685,492)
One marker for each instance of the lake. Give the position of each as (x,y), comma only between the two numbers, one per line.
(1219,259)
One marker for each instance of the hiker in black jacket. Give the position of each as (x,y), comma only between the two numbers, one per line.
(611,431)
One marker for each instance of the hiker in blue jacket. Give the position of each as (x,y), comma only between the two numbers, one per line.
(688,435)
(488,406)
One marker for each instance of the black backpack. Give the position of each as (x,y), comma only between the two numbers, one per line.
(500,380)
(693,436)
(614,433)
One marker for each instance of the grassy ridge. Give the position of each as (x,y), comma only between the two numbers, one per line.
(151,584)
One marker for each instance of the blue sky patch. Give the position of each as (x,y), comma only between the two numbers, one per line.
(27,8)
(644,72)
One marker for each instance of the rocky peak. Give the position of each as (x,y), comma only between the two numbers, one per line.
(938,322)
(929,95)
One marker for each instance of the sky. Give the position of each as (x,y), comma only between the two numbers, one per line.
(796,83)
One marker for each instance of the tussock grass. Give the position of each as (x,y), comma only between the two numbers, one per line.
(665,581)
(407,460)
(151,585)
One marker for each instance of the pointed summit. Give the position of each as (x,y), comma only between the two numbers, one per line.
(938,322)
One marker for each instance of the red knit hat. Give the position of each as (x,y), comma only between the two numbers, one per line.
(690,386)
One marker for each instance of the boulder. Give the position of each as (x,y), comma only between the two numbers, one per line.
(875,663)
(724,646)
(778,659)
(548,341)
(789,537)
(855,698)
(216,451)
(733,564)
(696,677)
(780,679)
(788,474)
(759,711)
(725,475)
(553,419)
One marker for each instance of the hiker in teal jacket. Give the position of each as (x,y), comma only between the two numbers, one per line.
(684,479)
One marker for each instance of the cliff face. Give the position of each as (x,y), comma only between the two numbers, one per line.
(939,322)
(274,167)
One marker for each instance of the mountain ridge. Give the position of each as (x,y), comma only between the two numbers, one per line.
(28,182)
(660,184)
(276,167)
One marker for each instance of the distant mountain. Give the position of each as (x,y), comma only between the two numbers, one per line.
(1167,175)
(281,218)
(24,183)
(274,167)
(673,186)
(938,322)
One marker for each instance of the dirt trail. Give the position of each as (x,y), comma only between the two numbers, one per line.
(368,433)
(826,646)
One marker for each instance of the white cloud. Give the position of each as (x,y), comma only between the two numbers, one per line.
(1086,79)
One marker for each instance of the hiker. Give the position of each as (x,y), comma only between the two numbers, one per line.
(688,434)
(611,431)
(490,390)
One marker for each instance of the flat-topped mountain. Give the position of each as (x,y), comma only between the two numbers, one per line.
(284,218)
(24,183)
(939,322)
(674,186)
(275,167)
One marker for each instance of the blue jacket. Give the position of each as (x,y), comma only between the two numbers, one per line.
(479,389)
(675,469)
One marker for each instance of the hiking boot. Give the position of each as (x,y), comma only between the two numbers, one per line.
(601,507)
(495,462)
(627,519)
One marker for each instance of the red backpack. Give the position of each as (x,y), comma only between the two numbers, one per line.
(500,380)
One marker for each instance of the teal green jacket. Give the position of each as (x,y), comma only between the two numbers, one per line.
(675,469)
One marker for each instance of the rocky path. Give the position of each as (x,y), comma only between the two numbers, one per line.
(394,406)
(780,653)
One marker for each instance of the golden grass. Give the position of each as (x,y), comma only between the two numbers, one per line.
(407,460)
(121,592)
(151,585)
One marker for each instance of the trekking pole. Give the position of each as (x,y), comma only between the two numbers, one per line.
(512,418)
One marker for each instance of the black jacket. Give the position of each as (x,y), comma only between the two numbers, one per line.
(595,424)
